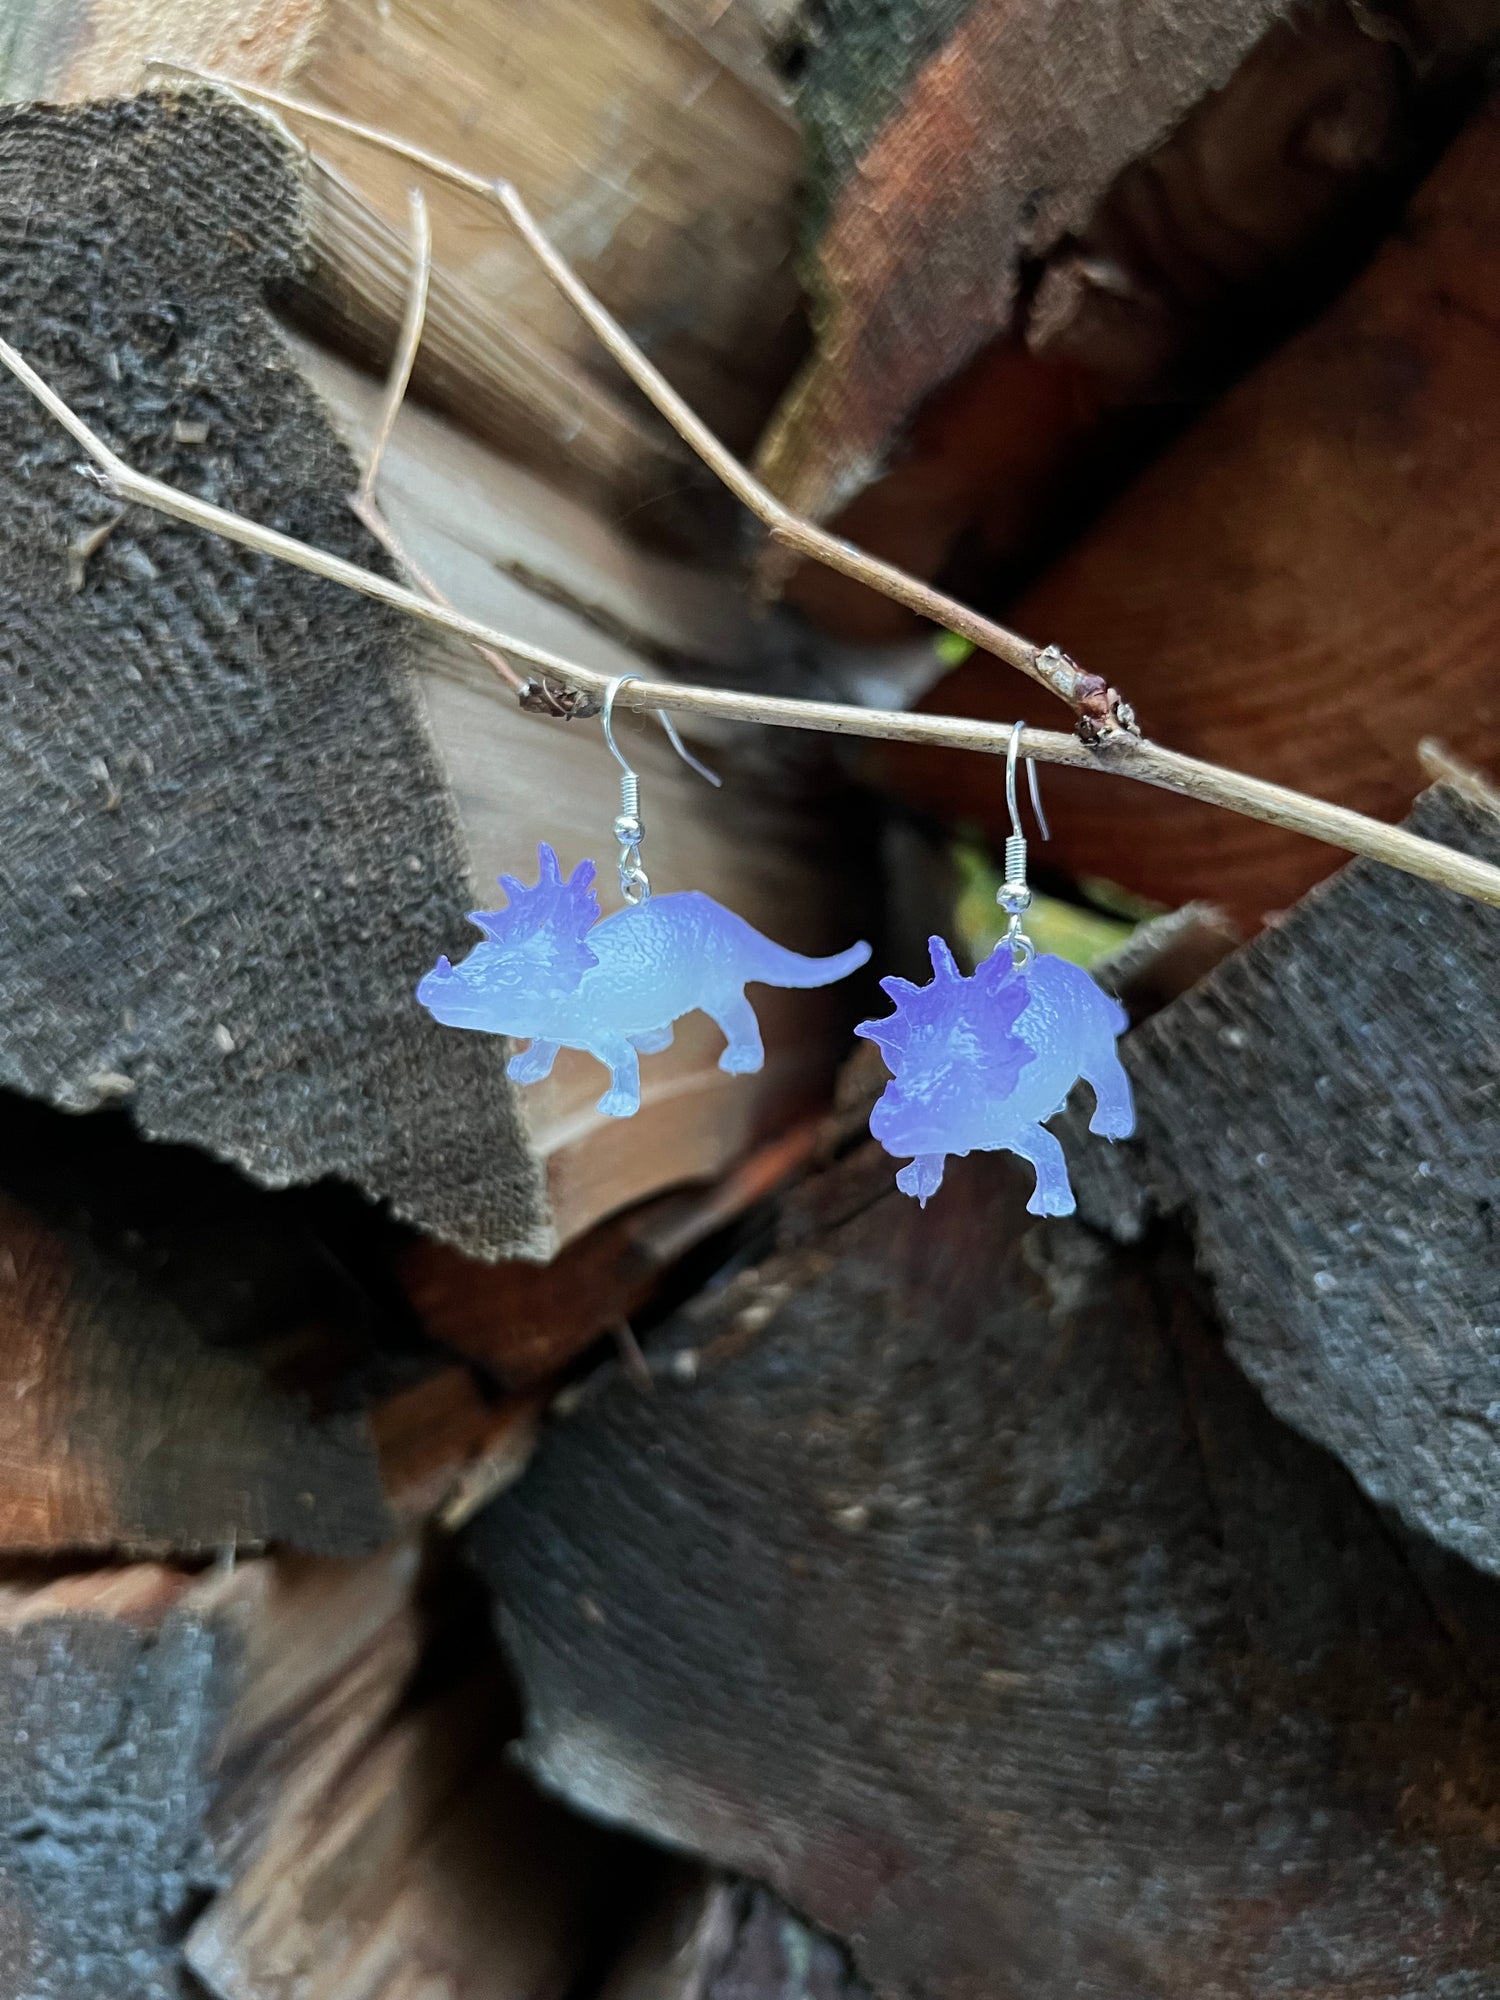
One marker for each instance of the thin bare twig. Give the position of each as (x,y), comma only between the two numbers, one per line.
(363,504)
(1127,757)
(413,321)
(1103,715)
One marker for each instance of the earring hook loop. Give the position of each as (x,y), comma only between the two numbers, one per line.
(1014,894)
(629,829)
(1012,756)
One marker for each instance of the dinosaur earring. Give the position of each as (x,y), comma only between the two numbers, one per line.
(978,1064)
(552,970)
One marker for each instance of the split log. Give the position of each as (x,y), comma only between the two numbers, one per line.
(189,1364)
(523,1323)
(421,1866)
(1322,1110)
(955,1583)
(113,1689)
(246,810)
(325,1651)
(370,1840)
(653,144)
(1303,587)
(243,1783)
(1079,234)
(123,1428)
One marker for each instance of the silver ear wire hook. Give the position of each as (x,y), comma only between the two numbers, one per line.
(635,885)
(1014,895)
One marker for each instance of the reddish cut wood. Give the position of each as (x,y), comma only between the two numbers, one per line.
(524,1322)
(1304,587)
(123,1427)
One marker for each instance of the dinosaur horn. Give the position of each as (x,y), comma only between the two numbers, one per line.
(944,966)
(512,885)
(898,989)
(871,1030)
(443,969)
(582,875)
(551,874)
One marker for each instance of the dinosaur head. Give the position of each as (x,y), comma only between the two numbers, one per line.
(534,952)
(951,1052)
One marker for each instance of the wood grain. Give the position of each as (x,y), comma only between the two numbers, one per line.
(1304,585)
(407,1862)
(656,149)
(957,1584)
(1000,144)
(1323,1111)
(248,825)
(123,1427)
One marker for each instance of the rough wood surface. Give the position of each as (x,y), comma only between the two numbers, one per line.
(954,143)
(225,814)
(479,368)
(651,141)
(956,1583)
(222,811)
(113,1688)
(408,1864)
(1304,586)
(191,1364)
(123,1427)
(1197,255)
(771,844)
(1324,1111)
(523,1323)
(325,1650)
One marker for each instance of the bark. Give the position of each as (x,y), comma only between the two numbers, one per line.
(228,846)
(113,1688)
(653,142)
(247,810)
(1322,1111)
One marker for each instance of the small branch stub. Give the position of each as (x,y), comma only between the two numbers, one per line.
(1102,710)
(541,695)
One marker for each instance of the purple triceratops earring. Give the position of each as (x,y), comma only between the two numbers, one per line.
(978,1064)
(552,970)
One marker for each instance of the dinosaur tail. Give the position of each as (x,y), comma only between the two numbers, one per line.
(771,965)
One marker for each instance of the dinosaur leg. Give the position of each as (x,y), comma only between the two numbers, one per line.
(623,1098)
(923,1177)
(1053,1194)
(733,1014)
(653,1041)
(1114,1112)
(532,1064)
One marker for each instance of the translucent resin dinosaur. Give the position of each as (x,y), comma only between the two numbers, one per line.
(977,1064)
(550,969)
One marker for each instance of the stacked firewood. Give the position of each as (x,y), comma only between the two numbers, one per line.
(455,1544)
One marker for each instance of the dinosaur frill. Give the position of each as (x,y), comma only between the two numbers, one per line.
(551,970)
(978,1063)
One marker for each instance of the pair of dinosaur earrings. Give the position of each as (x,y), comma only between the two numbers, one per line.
(977,1063)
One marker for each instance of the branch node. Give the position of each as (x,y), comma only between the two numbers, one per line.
(1103,713)
(540,695)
